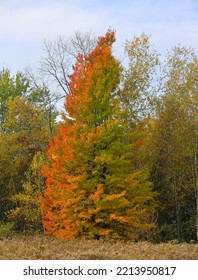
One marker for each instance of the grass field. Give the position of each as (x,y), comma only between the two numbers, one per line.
(50,248)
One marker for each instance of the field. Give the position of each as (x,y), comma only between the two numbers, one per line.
(50,248)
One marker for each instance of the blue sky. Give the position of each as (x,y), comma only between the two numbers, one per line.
(25,24)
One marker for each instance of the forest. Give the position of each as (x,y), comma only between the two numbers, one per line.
(119,161)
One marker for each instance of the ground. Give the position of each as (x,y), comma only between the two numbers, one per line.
(51,248)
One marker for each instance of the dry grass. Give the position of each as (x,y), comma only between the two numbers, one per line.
(49,248)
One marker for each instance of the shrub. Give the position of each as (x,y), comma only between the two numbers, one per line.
(6,229)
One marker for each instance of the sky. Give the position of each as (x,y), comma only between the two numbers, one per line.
(25,24)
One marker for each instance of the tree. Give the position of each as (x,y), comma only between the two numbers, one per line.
(174,147)
(60,54)
(41,96)
(26,134)
(25,85)
(139,79)
(26,215)
(10,87)
(91,189)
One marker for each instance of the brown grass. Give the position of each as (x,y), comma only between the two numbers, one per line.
(50,248)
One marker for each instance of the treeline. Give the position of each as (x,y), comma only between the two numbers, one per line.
(122,163)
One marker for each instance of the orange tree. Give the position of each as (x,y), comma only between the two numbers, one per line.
(91,188)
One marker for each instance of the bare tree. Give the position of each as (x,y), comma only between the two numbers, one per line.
(60,55)
(50,83)
(43,96)
(82,43)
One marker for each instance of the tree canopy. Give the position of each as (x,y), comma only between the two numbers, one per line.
(121,162)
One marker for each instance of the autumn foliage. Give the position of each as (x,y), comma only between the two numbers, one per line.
(92,190)
(122,162)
